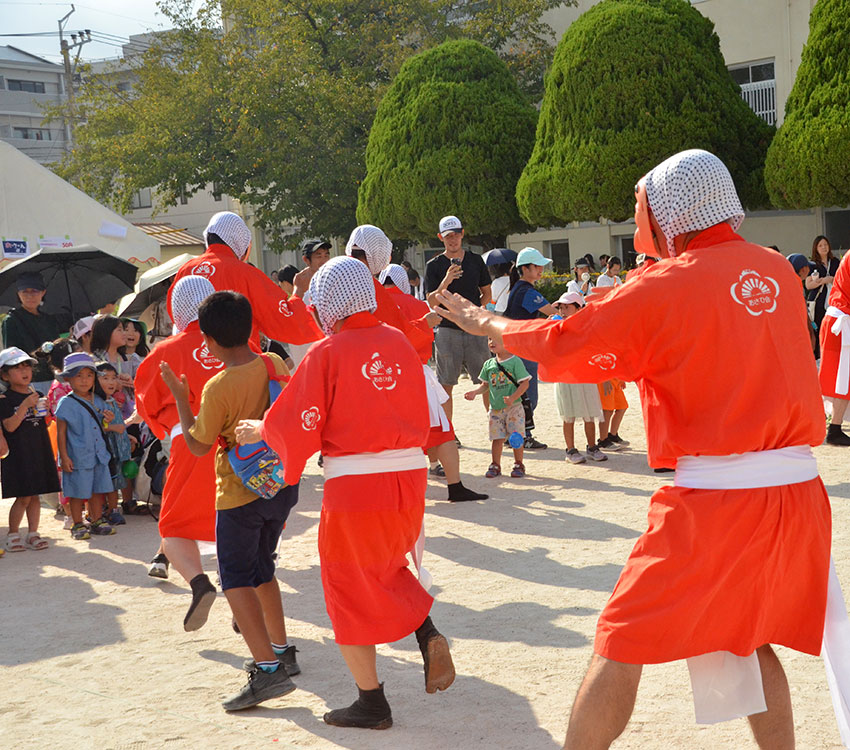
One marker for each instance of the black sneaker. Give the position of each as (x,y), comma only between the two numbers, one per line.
(617,439)
(203,596)
(532,444)
(608,444)
(287,659)
(159,567)
(261,686)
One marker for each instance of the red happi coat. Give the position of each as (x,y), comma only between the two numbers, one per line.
(188,500)
(414,310)
(717,343)
(278,317)
(360,391)
(830,344)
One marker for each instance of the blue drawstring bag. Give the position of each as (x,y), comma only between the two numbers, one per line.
(257,465)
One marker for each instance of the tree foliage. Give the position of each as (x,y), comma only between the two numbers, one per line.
(808,163)
(276,106)
(633,82)
(451,135)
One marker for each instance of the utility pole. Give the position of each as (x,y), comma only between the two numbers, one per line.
(77,41)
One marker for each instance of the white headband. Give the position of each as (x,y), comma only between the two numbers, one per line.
(232,229)
(397,275)
(372,241)
(342,287)
(186,298)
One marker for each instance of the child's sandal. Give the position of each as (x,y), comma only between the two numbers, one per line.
(35,541)
(14,543)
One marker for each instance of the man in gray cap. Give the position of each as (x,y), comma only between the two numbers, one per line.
(464,273)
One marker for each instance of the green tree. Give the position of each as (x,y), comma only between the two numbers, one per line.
(808,163)
(633,82)
(451,135)
(274,105)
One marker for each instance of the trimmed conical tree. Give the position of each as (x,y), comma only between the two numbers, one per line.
(451,136)
(633,82)
(808,163)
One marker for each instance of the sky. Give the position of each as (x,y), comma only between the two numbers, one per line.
(118,18)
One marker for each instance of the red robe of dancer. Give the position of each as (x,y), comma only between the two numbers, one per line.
(278,317)
(188,500)
(418,333)
(830,344)
(723,366)
(360,391)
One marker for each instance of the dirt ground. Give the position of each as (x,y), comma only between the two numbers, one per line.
(92,651)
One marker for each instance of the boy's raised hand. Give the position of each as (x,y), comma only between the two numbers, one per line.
(470,395)
(179,387)
(248,431)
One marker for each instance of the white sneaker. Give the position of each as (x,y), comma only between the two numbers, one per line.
(574,457)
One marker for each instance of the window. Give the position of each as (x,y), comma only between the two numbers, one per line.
(627,251)
(31,134)
(216,192)
(141,199)
(34,87)
(124,86)
(758,87)
(184,199)
(559,252)
(837,228)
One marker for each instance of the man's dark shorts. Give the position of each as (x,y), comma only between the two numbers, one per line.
(247,539)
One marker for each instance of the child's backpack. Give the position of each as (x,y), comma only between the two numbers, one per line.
(257,465)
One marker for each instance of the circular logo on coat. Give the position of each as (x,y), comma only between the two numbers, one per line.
(604,361)
(310,418)
(382,374)
(202,356)
(755,292)
(283,308)
(205,269)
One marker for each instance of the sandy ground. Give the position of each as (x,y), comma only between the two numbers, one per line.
(92,651)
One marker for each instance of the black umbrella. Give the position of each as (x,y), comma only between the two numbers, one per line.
(499,255)
(79,280)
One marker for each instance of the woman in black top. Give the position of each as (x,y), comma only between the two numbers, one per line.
(27,328)
(820,280)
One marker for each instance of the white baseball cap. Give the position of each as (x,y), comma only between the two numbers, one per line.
(449,224)
(14,356)
(84,326)
(571,298)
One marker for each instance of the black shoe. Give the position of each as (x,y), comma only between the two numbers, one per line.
(261,686)
(159,567)
(617,439)
(369,711)
(836,436)
(607,444)
(532,444)
(663,471)
(203,596)
(287,660)
(460,494)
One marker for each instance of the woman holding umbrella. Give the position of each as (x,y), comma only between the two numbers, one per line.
(28,328)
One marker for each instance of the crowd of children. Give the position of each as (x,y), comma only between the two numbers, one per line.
(69,439)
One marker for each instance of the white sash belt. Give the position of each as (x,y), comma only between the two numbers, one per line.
(727,686)
(176,430)
(437,396)
(841,327)
(745,471)
(404,459)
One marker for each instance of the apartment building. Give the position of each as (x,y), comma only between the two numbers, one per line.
(761,42)
(28,83)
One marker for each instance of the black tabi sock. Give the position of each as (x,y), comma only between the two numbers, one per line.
(200,581)
(424,633)
(458,492)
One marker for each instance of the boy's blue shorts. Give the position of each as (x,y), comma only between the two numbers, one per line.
(246,539)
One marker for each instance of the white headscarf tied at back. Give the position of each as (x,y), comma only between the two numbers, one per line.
(372,241)
(690,191)
(342,287)
(232,229)
(186,298)
(397,275)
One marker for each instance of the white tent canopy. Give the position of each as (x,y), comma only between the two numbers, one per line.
(40,209)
